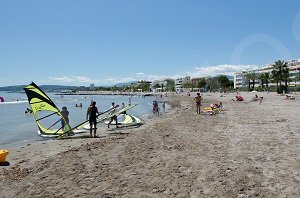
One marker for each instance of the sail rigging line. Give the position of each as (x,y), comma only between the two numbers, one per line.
(46,116)
(54,124)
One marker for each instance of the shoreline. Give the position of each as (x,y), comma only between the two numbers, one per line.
(102,133)
(246,151)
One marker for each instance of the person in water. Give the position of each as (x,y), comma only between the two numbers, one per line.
(113,117)
(92,113)
(65,119)
(198,102)
(28,110)
(123,106)
(155,108)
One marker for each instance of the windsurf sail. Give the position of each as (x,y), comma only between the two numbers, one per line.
(47,116)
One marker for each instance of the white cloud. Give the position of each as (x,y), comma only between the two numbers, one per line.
(73,79)
(200,71)
(219,69)
(140,74)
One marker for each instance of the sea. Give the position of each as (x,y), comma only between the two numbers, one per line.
(17,127)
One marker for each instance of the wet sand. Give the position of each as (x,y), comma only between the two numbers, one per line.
(250,150)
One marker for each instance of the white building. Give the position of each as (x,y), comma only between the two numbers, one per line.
(179,82)
(161,83)
(241,81)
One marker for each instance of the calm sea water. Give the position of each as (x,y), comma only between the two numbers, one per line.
(18,127)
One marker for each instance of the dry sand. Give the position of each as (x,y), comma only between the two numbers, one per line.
(250,150)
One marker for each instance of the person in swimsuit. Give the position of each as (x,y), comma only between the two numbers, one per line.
(92,112)
(198,102)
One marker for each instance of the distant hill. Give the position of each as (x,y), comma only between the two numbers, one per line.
(124,84)
(43,87)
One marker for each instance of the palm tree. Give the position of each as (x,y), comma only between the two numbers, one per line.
(279,68)
(267,78)
(286,77)
(261,77)
(248,77)
(253,77)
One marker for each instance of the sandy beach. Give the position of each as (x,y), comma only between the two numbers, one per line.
(249,150)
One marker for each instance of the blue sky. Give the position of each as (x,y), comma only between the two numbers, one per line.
(74,42)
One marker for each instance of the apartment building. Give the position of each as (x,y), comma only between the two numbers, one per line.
(179,82)
(294,67)
(161,83)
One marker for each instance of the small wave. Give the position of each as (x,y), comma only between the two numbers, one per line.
(13,102)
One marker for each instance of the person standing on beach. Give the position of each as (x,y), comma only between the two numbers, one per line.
(92,112)
(113,117)
(198,102)
(65,119)
(164,106)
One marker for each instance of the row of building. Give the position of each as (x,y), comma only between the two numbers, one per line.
(240,79)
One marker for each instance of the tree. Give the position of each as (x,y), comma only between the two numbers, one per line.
(253,77)
(279,70)
(266,79)
(248,77)
(213,83)
(261,77)
(156,86)
(286,77)
(144,86)
(188,85)
(201,83)
(170,85)
(224,81)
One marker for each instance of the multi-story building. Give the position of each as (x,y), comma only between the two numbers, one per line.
(161,83)
(240,79)
(179,82)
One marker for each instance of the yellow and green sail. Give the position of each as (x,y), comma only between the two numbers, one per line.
(43,108)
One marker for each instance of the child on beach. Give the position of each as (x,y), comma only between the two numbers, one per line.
(198,102)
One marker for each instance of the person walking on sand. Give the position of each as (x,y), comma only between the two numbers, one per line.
(113,117)
(92,112)
(198,102)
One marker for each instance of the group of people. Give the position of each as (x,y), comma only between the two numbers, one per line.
(80,105)
(156,109)
(28,111)
(91,116)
